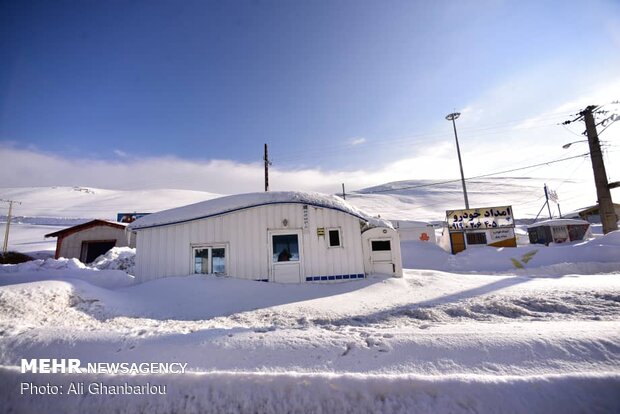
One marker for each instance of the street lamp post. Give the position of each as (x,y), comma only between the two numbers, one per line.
(452,117)
(566,146)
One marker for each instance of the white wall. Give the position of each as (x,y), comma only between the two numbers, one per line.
(414,230)
(167,250)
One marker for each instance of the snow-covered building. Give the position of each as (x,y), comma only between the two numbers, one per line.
(87,241)
(559,231)
(485,226)
(287,237)
(591,213)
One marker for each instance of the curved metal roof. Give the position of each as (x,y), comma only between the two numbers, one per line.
(229,204)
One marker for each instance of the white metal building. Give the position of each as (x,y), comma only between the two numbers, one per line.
(287,237)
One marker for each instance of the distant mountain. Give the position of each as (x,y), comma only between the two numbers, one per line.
(87,203)
(428,200)
(420,200)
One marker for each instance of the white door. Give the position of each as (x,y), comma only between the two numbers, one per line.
(285,255)
(381,256)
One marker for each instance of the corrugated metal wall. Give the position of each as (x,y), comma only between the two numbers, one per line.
(167,250)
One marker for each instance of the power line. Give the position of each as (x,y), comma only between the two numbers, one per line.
(420,138)
(473,178)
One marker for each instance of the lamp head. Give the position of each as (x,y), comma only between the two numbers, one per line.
(453,116)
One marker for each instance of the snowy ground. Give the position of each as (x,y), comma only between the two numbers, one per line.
(431,341)
(468,333)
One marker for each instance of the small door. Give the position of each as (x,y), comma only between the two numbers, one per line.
(381,256)
(285,256)
(457,241)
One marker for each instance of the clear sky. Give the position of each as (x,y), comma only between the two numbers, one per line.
(356,91)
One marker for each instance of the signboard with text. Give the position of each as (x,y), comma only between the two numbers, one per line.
(480,218)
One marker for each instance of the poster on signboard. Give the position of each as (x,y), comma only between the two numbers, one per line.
(480,218)
(129,217)
(502,234)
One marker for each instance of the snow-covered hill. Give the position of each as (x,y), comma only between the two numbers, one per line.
(403,200)
(89,203)
(424,200)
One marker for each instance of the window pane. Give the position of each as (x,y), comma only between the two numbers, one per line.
(476,238)
(285,248)
(201,261)
(381,245)
(218,260)
(334,238)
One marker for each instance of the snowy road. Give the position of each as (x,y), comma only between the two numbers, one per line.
(432,340)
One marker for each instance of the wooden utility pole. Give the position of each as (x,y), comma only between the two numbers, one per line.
(5,245)
(267,164)
(605,203)
(547,202)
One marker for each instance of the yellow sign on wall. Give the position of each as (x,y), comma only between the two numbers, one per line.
(320,231)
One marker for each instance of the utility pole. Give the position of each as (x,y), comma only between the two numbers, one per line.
(267,164)
(344,195)
(547,202)
(5,246)
(605,203)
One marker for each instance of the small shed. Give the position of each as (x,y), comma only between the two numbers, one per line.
(485,226)
(559,231)
(591,214)
(287,237)
(87,241)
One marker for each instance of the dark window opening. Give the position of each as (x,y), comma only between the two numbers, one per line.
(381,245)
(476,238)
(92,250)
(334,238)
(285,248)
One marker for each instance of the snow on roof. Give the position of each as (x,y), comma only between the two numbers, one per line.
(410,224)
(87,225)
(222,205)
(558,222)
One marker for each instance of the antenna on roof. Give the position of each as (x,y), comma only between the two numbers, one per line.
(267,164)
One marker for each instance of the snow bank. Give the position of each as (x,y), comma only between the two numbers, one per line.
(67,269)
(237,392)
(41,265)
(117,258)
(599,255)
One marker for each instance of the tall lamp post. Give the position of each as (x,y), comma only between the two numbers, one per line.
(452,117)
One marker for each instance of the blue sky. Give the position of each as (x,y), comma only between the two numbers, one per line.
(334,87)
